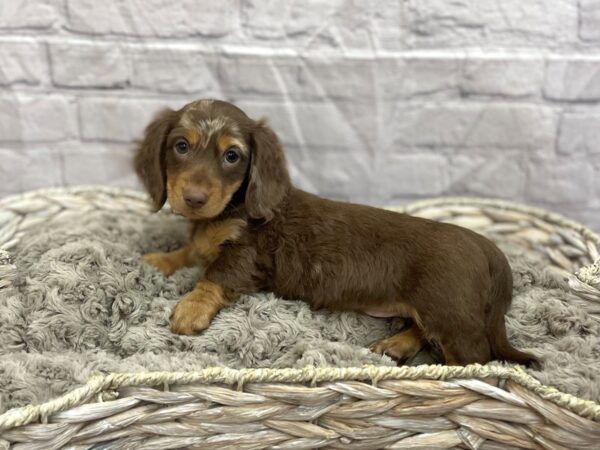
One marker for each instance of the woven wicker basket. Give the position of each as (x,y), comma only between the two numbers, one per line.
(424,407)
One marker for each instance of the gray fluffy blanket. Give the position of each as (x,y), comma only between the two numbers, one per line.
(84,302)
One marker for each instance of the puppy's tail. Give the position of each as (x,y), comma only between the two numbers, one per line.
(501,297)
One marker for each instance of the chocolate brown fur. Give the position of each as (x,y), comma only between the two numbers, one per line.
(258,232)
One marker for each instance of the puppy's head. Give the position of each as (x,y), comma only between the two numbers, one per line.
(207,153)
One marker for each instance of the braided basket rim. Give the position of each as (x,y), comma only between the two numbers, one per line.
(539,213)
(101,383)
(75,190)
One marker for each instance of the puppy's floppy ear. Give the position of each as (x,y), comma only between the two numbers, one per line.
(269,180)
(149,161)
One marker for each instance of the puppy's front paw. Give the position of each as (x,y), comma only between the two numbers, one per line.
(160,261)
(190,317)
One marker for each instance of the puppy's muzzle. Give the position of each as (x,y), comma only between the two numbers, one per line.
(194,197)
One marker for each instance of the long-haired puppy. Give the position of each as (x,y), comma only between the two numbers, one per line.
(253,231)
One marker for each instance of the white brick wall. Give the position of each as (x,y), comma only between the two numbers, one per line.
(377,101)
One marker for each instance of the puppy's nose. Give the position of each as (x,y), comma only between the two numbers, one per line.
(195,198)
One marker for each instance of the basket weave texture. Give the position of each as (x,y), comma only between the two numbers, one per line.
(474,407)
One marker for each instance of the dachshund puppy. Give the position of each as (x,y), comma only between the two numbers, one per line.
(254,231)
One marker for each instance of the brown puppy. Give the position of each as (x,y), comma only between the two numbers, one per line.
(254,231)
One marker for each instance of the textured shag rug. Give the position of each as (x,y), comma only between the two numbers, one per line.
(84,302)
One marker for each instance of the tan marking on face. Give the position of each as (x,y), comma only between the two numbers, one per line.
(193,136)
(218,195)
(208,238)
(226,141)
(217,200)
(194,132)
(206,128)
(175,186)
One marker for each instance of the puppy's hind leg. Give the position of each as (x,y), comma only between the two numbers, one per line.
(460,335)
(468,348)
(403,345)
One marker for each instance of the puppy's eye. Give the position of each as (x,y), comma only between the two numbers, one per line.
(231,156)
(182,147)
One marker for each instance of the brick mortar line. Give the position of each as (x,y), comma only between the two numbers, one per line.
(130,92)
(443,99)
(516,53)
